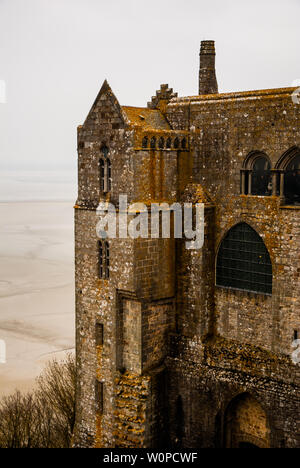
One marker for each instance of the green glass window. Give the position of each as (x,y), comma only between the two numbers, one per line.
(244,262)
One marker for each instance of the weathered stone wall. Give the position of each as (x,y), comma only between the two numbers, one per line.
(208,377)
(96,301)
(133,305)
(225,129)
(160,306)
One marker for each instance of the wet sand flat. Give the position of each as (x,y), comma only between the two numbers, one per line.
(36,288)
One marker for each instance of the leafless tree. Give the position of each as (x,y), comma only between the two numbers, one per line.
(44,417)
(56,392)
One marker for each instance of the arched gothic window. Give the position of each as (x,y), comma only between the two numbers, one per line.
(103,259)
(287,179)
(105,171)
(256,176)
(243,261)
(168,143)
(261,177)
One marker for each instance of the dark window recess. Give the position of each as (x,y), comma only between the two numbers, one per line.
(103,259)
(176,143)
(244,262)
(261,177)
(100,259)
(108,175)
(104,151)
(183,143)
(102,176)
(99,334)
(99,396)
(115,126)
(105,171)
(295,334)
(81,145)
(292,182)
(107,260)
(161,143)
(169,142)
(145,142)
(153,143)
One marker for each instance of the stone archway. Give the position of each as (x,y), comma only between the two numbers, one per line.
(246,424)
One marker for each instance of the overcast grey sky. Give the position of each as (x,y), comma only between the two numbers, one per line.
(55,54)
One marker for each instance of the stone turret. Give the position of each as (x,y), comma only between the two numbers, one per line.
(207,72)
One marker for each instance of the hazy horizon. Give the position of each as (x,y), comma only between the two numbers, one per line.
(55,55)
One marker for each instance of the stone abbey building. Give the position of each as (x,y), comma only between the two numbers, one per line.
(179,347)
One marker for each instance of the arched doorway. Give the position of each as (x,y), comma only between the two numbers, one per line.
(246,424)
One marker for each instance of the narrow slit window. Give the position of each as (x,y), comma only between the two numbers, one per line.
(101,168)
(103,259)
(99,334)
(108,175)
(107,265)
(100,259)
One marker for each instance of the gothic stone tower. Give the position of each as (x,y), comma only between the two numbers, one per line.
(190,348)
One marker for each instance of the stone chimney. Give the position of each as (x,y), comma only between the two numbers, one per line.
(207,73)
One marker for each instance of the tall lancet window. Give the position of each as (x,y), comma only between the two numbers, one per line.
(105,170)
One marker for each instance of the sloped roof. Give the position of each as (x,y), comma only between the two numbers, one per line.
(237,95)
(146,118)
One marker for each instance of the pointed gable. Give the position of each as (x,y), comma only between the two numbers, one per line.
(106,111)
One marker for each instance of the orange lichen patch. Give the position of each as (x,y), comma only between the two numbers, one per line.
(132,392)
(195,193)
(98,436)
(245,357)
(146,118)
